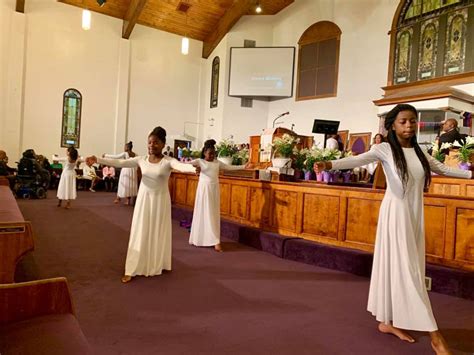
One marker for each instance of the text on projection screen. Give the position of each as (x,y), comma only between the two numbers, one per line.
(261,71)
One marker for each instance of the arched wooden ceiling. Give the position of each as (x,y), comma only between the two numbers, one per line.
(205,20)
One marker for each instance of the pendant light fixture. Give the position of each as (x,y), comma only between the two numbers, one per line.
(258,9)
(86,20)
(185,39)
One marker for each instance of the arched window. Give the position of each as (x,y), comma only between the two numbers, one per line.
(430,39)
(318,61)
(215,82)
(71,125)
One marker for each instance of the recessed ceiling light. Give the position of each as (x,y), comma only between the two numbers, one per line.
(258,9)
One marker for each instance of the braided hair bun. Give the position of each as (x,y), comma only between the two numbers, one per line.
(159,133)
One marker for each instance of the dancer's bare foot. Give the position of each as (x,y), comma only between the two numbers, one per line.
(438,343)
(218,248)
(390,329)
(68,205)
(59,203)
(117,200)
(126,278)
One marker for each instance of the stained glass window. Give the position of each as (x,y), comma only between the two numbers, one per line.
(215,82)
(403,56)
(432,39)
(428,49)
(455,42)
(71,120)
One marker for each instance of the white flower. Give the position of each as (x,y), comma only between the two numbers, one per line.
(446,146)
(469,140)
(457,144)
(434,147)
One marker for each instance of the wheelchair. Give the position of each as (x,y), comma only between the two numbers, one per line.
(31,181)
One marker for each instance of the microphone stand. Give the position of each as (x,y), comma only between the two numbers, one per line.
(277,117)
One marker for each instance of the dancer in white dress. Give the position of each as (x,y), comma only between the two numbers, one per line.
(128,182)
(67,182)
(398,296)
(149,247)
(206,226)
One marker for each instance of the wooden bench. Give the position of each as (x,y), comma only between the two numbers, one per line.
(16,235)
(37,317)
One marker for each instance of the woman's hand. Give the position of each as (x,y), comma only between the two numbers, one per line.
(320,166)
(198,170)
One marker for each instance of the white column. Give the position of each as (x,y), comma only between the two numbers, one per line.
(15,79)
(123,95)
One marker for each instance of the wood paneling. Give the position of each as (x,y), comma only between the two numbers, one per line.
(133,12)
(320,213)
(361,220)
(180,190)
(470,191)
(260,206)
(225,198)
(238,198)
(191,192)
(435,232)
(465,235)
(284,209)
(446,189)
(342,216)
(206,20)
(452,187)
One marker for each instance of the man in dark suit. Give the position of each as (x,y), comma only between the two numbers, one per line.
(451,133)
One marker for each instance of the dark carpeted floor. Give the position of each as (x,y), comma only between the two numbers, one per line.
(242,301)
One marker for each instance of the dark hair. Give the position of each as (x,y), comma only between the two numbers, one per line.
(73,153)
(159,133)
(381,136)
(209,144)
(397,151)
(129,145)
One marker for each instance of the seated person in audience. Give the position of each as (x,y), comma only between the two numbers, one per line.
(450,133)
(332,142)
(90,174)
(5,170)
(108,174)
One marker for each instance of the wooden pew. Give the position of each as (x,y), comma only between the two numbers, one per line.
(37,317)
(16,235)
(4,181)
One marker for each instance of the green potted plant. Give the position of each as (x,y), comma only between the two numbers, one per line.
(282,150)
(464,152)
(298,161)
(240,157)
(225,150)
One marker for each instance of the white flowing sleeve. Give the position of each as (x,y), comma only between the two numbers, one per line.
(182,167)
(358,160)
(224,166)
(122,155)
(441,169)
(120,163)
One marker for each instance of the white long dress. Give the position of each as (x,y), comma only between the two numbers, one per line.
(149,247)
(397,285)
(67,182)
(128,181)
(206,226)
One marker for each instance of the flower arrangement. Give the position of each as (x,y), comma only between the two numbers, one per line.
(195,154)
(186,152)
(465,150)
(283,147)
(299,158)
(330,154)
(240,157)
(226,148)
(437,151)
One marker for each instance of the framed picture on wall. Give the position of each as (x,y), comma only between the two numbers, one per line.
(359,142)
(343,137)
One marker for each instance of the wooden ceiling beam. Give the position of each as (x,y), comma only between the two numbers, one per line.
(20,6)
(131,17)
(225,24)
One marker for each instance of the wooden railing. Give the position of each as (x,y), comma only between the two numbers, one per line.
(340,216)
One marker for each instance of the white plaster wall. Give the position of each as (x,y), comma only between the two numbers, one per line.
(164,85)
(60,55)
(6,11)
(363,61)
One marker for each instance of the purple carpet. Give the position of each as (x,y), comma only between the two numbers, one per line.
(242,301)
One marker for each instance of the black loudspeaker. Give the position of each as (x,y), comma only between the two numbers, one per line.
(325,127)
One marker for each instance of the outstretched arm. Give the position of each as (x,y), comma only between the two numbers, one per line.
(122,155)
(118,163)
(224,166)
(441,169)
(182,167)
